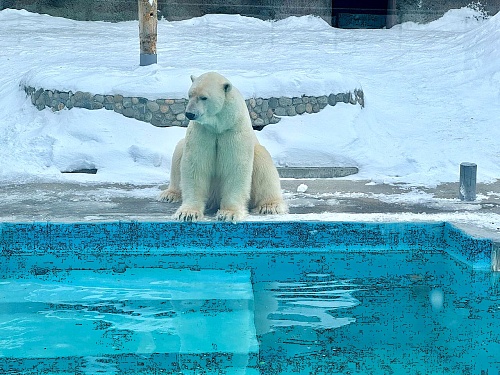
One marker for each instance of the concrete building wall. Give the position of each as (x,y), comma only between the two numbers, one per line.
(120,10)
(423,11)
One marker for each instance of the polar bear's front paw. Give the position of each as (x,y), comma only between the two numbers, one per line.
(230,215)
(188,214)
(271,208)
(170,196)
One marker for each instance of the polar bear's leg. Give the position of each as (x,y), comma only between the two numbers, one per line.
(234,169)
(266,189)
(197,170)
(173,192)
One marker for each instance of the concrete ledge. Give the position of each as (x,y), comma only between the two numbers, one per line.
(316,172)
(170,112)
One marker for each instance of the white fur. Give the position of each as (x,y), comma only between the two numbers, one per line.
(220,164)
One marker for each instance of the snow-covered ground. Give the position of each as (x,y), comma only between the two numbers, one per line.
(432,94)
(432,101)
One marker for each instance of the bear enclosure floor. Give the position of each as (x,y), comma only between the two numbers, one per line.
(308,199)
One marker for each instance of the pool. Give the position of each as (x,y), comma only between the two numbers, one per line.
(247,298)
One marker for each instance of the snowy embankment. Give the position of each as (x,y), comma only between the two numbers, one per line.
(432,94)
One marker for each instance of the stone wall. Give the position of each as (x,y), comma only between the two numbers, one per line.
(170,112)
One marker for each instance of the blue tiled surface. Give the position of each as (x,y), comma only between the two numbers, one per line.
(39,247)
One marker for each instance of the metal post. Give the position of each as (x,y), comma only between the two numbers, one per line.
(468,173)
(495,257)
(391,19)
(148,21)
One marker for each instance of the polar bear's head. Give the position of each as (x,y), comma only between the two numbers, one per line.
(207,97)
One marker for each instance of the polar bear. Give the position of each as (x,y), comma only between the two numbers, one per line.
(220,165)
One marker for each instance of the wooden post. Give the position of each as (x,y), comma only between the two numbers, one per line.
(468,173)
(148,21)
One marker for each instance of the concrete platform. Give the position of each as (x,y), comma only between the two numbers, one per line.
(323,199)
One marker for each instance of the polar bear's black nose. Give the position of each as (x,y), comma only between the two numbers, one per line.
(190,115)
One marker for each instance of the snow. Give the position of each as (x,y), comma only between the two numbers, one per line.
(431,94)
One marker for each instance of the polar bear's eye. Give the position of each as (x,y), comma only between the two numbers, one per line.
(203,98)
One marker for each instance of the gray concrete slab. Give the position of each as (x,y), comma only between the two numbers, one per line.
(102,202)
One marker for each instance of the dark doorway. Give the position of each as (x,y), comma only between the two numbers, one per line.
(363,14)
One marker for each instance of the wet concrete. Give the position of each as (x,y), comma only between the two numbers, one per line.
(99,202)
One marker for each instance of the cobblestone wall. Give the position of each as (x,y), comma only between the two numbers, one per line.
(170,112)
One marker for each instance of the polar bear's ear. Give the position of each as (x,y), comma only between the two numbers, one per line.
(227,87)
(193,78)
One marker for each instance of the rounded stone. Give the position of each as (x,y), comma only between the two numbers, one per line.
(156,121)
(153,106)
(284,101)
(118,107)
(300,109)
(258,122)
(127,102)
(290,111)
(164,108)
(252,102)
(309,108)
(273,103)
(280,111)
(138,116)
(332,99)
(322,99)
(178,108)
(99,98)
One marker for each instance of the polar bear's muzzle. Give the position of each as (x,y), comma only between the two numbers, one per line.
(190,115)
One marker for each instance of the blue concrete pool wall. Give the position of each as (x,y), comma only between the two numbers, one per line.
(40,248)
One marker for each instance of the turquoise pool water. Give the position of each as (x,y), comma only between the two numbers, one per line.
(251,298)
